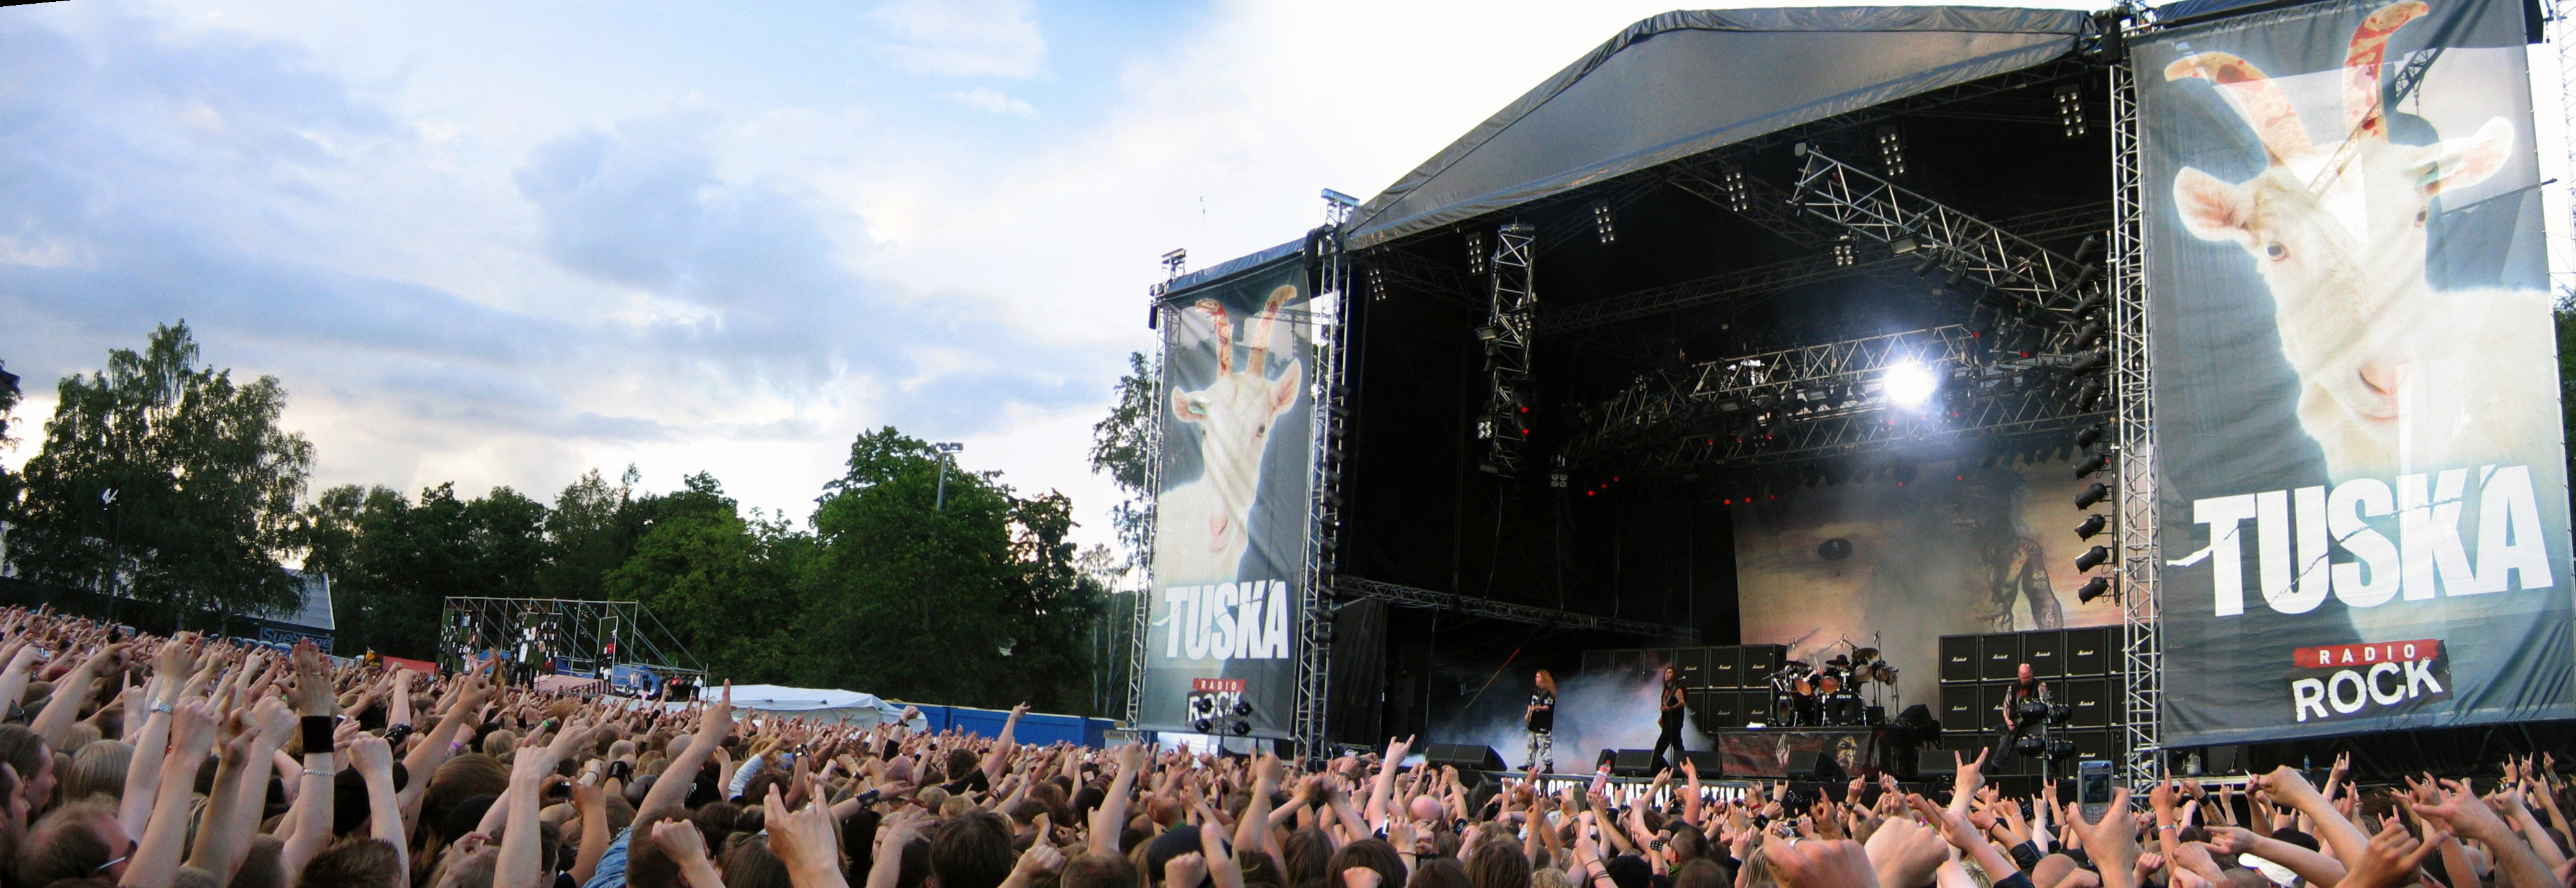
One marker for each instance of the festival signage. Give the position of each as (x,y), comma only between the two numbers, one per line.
(2359,466)
(1230,517)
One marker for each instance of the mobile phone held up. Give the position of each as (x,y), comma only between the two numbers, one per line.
(2093,788)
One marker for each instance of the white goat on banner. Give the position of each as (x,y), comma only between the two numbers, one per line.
(2394,375)
(1203,526)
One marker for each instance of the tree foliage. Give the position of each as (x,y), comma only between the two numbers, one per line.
(974,596)
(165,480)
(1122,447)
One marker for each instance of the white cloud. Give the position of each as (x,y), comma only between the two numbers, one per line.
(962,38)
(993,101)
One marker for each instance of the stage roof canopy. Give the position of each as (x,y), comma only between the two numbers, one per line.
(1685,82)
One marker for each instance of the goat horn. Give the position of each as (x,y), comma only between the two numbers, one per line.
(1224,334)
(2361,109)
(1261,340)
(2254,97)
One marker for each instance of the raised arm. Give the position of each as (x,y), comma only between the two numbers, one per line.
(73,692)
(713,725)
(314,707)
(375,763)
(154,860)
(1000,755)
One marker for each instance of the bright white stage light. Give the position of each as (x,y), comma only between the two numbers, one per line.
(1909,384)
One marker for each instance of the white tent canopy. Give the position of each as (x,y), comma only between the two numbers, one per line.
(850,707)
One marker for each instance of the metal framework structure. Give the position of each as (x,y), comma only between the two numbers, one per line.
(1408,596)
(1140,617)
(1323,535)
(2133,427)
(1507,333)
(1913,225)
(586,635)
(2562,32)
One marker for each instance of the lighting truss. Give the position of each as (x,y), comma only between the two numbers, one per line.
(1728,186)
(1507,335)
(1821,401)
(1391,267)
(2133,427)
(1408,596)
(1874,208)
(1331,424)
(585,634)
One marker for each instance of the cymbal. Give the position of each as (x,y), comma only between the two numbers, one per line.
(1799,664)
(1865,654)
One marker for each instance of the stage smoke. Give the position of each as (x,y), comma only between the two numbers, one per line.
(1593,713)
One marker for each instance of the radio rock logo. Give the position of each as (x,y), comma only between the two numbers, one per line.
(2345,681)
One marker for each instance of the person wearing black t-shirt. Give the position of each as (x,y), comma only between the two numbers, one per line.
(2024,689)
(1541,718)
(1670,718)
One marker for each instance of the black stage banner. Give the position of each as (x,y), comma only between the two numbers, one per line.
(1230,517)
(2359,463)
(1766,753)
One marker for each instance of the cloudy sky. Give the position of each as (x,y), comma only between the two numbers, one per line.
(502,243)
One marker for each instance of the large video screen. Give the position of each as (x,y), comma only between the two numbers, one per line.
(1897,558)
(2361,477)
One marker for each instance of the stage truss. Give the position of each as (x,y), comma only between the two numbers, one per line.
(586,635)
(1331,288)
(2133,427)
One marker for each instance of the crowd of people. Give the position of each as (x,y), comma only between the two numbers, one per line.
(155,762)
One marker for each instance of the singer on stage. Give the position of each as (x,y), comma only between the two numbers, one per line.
(1541,719)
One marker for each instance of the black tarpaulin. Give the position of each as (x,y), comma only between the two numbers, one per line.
(1685,82)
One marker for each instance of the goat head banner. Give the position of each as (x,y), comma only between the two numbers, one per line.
(1230,516)
(2361,478)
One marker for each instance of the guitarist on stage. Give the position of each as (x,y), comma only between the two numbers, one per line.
(1670,719)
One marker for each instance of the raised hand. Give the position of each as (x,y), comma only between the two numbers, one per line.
(1821,863)
(1906,853)
(2392,858)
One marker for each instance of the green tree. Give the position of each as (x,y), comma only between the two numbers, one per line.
(724,585)
(592,529)
(9,483)
(1122,447)
(167,481)
(393,561)
(916,599)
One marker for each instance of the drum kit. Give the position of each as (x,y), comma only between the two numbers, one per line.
(1842,692)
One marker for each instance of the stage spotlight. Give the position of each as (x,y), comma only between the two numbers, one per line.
(1243,708)
(1844,253)
(2070,111)
(2092,495)
(1891,149)
(2085,335)
(2059,714)
(2093,462)
(1489,332)
(2091,434)
(2088,361)
(2061,749)
(1477,255)
(1902,245)
(2092,558)
(1242,728)
(1204,725)
(2088,394)
(2031,746)
(2087,305)
(1602,225)
(2093,524)
(2094,588)
(1924,265)
(1909,384)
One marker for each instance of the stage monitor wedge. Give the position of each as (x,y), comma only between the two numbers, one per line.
(1463,756)
(1630,762)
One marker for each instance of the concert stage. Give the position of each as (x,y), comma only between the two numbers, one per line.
(1767,336)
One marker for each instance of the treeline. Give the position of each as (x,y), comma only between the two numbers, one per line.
(972,595)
